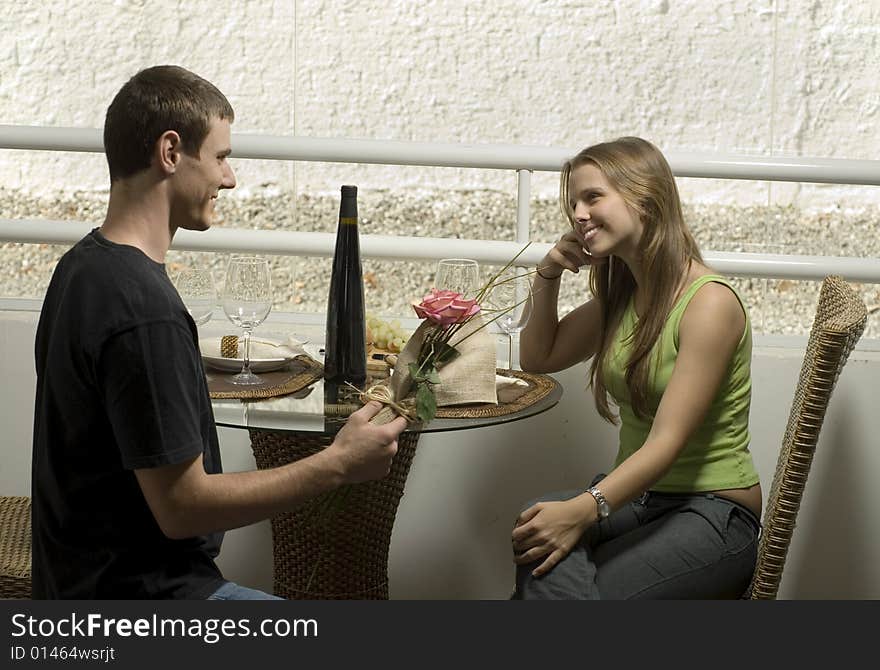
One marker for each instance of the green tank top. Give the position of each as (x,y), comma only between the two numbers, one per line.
(717,453)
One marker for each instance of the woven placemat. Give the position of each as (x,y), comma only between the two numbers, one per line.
(510,400)
(296,375)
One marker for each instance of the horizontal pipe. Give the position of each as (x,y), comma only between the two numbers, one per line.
(492,156)
(801,268)
(390,247)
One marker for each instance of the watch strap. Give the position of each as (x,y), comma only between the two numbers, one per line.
(602,506)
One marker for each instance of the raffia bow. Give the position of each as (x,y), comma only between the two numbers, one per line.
(382,394)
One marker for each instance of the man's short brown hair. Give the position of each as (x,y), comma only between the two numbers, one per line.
(155,100)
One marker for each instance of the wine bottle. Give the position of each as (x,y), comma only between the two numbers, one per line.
(345,355)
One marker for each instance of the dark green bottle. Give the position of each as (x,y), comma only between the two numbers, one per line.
(345,350)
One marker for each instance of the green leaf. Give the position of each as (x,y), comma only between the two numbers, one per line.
(426,403)
(433,377)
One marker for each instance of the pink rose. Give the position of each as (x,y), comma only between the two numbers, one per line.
(445,307)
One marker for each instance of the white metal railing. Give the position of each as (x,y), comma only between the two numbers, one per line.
(523,159)
(291,243)
(492,156)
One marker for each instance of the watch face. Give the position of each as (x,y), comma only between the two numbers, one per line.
(602,507)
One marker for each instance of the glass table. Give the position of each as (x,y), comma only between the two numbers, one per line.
(336,546)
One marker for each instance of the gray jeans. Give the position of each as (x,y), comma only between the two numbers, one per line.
(662,546)
(233,591)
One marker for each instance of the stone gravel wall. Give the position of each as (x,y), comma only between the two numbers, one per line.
(776,306)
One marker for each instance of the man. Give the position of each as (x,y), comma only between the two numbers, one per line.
(129,498)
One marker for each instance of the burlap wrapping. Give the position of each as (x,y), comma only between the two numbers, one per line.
(469,379)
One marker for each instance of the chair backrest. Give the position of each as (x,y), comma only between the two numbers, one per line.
(15,547)
(840,320)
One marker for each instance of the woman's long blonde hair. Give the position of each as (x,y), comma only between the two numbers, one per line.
(640,173)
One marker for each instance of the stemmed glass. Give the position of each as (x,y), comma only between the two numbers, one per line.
(247,301)
(198,292)
(511,297)
(461,275)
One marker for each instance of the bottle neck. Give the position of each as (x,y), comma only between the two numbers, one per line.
(348,209)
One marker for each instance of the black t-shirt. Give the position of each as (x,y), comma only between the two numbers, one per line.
(120,386)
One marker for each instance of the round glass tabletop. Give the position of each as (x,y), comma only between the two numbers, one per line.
(308,410)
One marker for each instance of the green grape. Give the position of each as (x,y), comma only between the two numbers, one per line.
(388,335)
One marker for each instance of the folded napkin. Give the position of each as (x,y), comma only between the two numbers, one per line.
(232,346)
(296,345)
(502,382)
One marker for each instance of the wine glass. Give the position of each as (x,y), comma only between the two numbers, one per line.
(461,275)
(198,292)
(247,301)
(511,298)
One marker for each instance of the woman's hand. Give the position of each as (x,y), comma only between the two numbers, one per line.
(549,529)
(567,254)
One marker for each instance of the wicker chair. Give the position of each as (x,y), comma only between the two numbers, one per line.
(15,547)
(840,319)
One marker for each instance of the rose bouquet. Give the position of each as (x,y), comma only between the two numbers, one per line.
(449,359)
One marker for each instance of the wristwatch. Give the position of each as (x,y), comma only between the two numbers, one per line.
(602,505)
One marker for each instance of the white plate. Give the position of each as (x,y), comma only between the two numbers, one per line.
(266,354)
(315,350)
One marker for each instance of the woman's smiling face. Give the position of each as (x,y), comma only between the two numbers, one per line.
(609,225)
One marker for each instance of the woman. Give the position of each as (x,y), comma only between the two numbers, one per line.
(670,342)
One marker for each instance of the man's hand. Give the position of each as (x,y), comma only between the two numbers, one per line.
(364,451)
(549,529)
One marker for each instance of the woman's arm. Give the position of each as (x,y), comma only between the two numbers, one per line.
(709,333)
(548,344)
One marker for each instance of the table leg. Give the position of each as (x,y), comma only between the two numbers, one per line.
(337,551)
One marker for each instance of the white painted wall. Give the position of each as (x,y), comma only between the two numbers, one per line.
(451,539)
(755,76)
